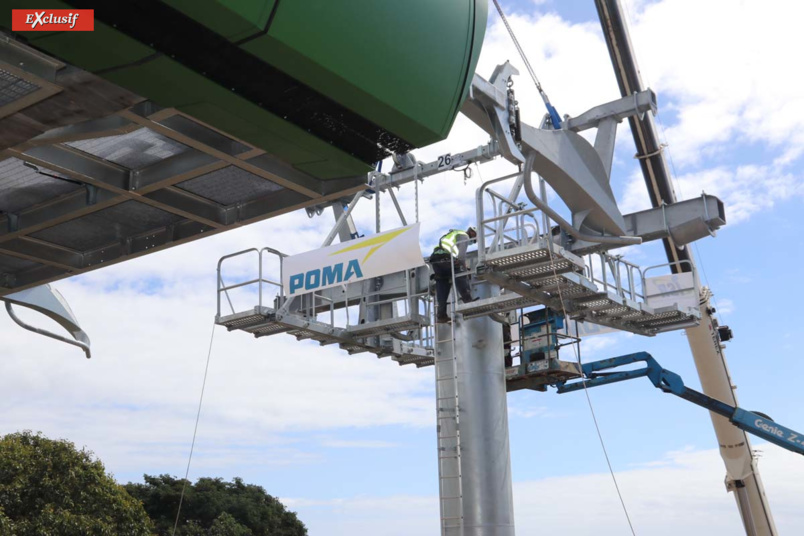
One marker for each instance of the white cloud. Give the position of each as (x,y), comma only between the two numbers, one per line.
(680,493)
(725,306)
(527,412)
(745,189)
(357,444)
(725,83)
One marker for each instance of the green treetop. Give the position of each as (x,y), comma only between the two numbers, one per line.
(49,487)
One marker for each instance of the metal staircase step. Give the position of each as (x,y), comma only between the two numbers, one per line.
(264,321)
(267,329)
(242,320)
(542,254)
(391,325)
(530,273)
(669,319)
(261,322)
(406,353)
(565,286)
(358,348)
(413,360)
(507,301)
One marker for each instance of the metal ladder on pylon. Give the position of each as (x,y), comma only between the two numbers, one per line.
(449,434)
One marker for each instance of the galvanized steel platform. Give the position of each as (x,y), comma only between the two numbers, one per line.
(266,321)
(546,274)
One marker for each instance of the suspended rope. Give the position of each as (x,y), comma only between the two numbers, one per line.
(555,119)
(575,347)
(195,431)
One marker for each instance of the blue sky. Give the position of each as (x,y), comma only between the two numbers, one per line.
(349,441)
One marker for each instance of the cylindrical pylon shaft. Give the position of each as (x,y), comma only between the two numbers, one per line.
(486,505)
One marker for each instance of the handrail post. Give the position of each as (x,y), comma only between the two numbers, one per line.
(259,284)
(481,235)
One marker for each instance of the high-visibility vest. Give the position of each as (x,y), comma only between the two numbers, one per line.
(449,242)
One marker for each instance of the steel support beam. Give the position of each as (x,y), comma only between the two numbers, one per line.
(112,125)
(634,105)
(95,171)
(184,231)
(43,252)
(31,278)
(684,222)
(313,192)
(65,208)
(173,170)
(190,206)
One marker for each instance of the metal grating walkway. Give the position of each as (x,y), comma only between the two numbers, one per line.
(266,321)
(534,275)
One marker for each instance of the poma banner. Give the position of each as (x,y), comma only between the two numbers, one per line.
(352,261)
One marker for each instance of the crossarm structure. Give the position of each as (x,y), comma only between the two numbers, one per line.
(670,382)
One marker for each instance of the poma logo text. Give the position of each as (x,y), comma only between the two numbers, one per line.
(329,275)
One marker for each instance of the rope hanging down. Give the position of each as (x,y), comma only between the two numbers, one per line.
(195,431)
(528,170)
(555,119)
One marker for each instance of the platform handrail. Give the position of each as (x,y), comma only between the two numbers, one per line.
(480,208)
(224,289)
(682,262)
(617,266)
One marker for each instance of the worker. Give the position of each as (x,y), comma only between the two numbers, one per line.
(507,356)
(449,255)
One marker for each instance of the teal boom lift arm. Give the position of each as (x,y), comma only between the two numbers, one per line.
(670,382)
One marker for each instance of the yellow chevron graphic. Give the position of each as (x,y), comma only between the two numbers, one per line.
(374,243)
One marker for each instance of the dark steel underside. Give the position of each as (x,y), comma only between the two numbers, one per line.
(91,174)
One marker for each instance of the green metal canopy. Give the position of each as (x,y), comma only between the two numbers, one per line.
(330,87)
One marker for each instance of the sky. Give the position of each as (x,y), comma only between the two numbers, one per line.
(349,441)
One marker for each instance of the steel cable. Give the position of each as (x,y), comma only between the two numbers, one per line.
(195,431)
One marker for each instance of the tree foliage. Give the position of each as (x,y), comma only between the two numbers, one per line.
(213,507)
(49,487)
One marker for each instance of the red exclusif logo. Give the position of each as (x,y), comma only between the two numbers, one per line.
(53,20)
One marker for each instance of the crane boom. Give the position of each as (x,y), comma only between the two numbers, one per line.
(754,423)
(742,474)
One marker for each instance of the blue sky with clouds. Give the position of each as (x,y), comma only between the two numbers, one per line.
(349,441)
